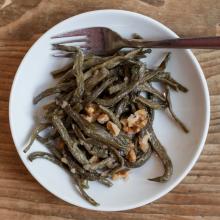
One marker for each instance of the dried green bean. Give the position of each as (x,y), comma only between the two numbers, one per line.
(50,145)
(105,182)
(112,101)
(65,48)
(44,155)
(149,102)
(98,77)
(150,89)
(85,183)
(77,68)
(115,88)
(91,97)
(72,145)
(82,191)
(173,115)
(112,62)
(99,165)
(121,107)
(34,134)
(161,152)
(120,160)
(64,87)
(61,71)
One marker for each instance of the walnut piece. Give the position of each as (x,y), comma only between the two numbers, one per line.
(91,109)
(135,122)
(143,143)
(113,128)
(103,118)
(94,159)
(92,112)
(120,174)
(131,156)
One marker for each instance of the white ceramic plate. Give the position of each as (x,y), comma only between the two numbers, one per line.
(192,108)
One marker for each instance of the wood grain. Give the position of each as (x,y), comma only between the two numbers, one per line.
(21,197)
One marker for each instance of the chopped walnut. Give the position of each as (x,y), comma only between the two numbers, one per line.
(73,170)
(131,156)
(113,128)
(141,113)
(91,109)
(94,159)
(120,174)
(143,143)
(92,112)
(64,160)
(135,122)
(103,118)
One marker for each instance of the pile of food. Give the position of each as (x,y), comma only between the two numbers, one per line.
(99,124)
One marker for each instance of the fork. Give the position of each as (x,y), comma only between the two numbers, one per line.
(104,41)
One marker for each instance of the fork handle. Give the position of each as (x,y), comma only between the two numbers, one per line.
(199,43)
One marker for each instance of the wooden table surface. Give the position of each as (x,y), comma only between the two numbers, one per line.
(21,23)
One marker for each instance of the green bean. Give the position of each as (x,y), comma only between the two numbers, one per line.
(99,165)
(105,182)
(168,80)
(121,107)
(100,89)
(173,115)
(163,64)
(34,133)
(162,154)
(50,145)
(44,155)
(77,68)
(65,48)
(85,183)
(150,89)
(93,61)
(82,191)
(98,77)
(97,149)
(120,160)
(64,87)
(115,88)
(76,168)
(148,102)
(138,68)
(72,144)
(93,147)
(67,76)
(60,72)
(111,63)
(119,96)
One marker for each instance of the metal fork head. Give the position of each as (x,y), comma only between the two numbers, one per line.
(99,40)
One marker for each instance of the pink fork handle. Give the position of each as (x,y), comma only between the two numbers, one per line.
(200,43)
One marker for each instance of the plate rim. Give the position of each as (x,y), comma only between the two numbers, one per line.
(200,145)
